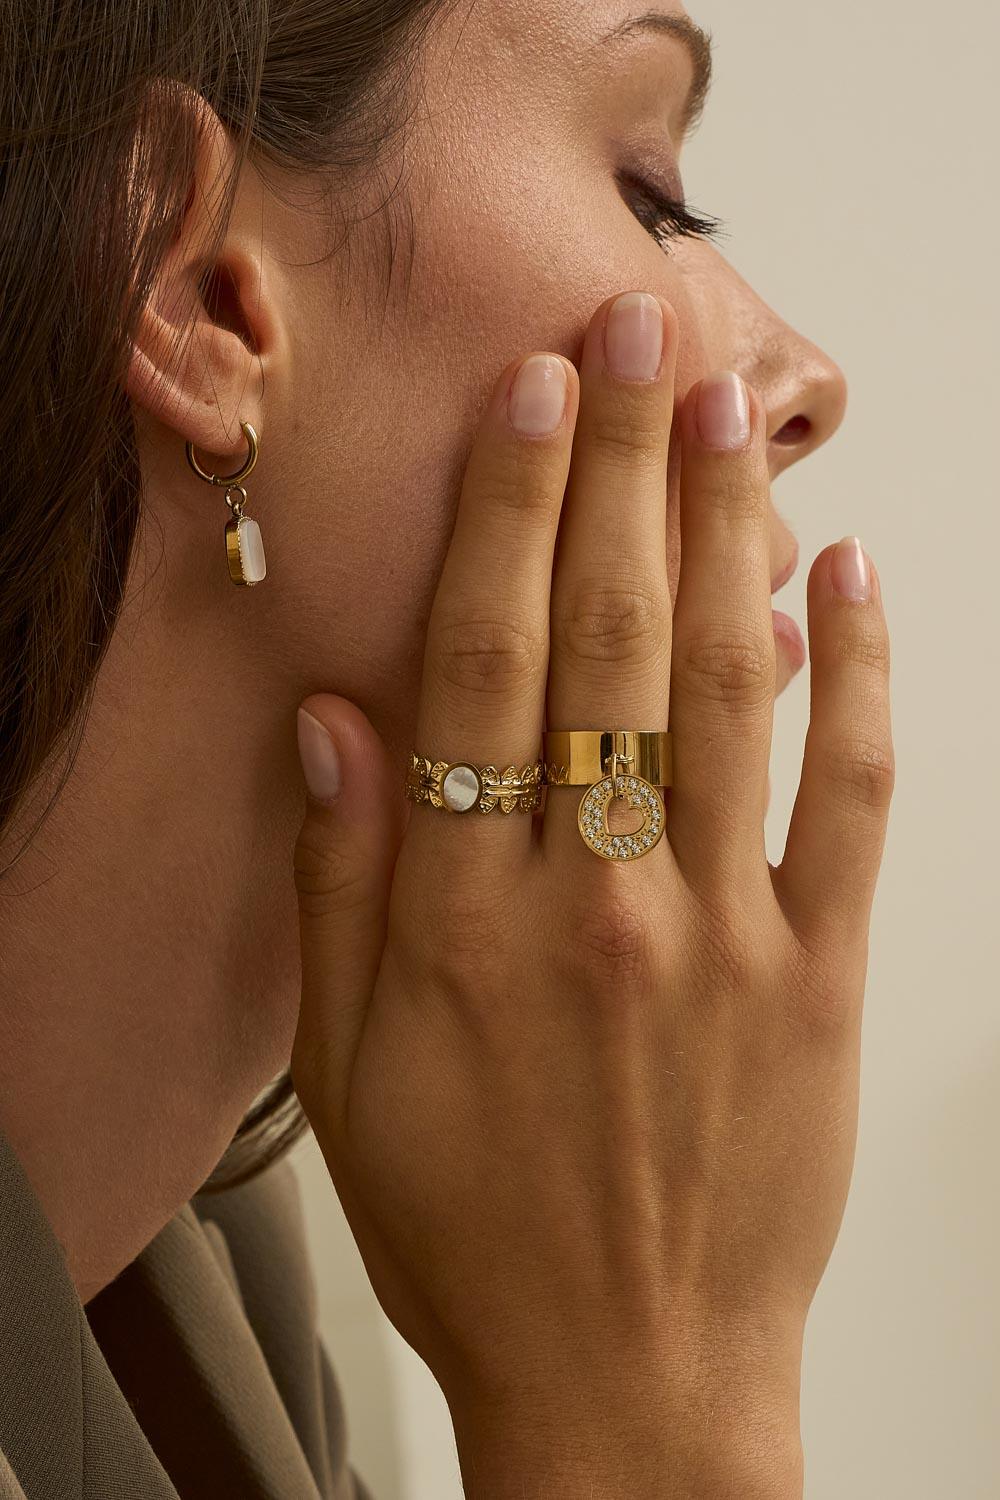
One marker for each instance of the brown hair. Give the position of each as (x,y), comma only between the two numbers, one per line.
(96,154)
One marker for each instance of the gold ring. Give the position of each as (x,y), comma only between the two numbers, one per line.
(459,786)
(626,765)
(578,757)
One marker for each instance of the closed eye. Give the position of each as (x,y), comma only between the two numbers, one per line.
(664,218)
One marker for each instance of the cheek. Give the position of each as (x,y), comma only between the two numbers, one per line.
(499,267)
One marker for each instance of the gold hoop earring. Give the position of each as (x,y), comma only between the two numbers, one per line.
(244,546)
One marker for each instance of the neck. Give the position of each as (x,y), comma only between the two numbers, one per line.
(149,977)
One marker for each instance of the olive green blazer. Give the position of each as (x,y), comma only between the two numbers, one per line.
(198,1373)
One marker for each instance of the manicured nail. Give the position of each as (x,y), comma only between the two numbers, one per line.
(538,395)
(850,572)
(320,761)
(633,337)
(724,412)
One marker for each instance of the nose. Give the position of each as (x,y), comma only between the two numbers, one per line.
(806,397)
(804,391)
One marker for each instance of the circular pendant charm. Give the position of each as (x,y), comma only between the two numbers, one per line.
(593,818)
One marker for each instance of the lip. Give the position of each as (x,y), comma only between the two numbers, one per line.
(789,639)
(781,578)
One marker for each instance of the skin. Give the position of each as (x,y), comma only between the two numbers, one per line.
(629,1130)
(154,916)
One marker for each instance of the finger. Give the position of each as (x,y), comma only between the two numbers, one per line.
(344,857)
(837,831)
(609,659)
(483,691)
(723,670)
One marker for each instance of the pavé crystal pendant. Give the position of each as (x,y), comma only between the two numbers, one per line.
(593,818)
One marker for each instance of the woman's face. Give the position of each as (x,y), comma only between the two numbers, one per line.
(526,193)
(522,194)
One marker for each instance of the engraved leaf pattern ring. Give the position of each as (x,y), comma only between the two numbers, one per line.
(459,786)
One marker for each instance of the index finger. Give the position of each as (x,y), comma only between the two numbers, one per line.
(486,657)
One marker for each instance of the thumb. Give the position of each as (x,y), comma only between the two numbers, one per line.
(344,858)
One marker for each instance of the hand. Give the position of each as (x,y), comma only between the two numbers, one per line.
(593,1124)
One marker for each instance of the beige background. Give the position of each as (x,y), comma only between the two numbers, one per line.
(851,146)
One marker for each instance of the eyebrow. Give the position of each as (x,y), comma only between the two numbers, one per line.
(695,39)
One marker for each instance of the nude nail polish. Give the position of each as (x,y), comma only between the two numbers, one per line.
(318,754)
(723,415)
(538,396)
(633,337)
(850,572)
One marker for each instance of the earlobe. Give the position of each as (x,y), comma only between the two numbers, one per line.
(209,331)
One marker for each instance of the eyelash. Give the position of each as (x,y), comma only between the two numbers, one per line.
(668,219)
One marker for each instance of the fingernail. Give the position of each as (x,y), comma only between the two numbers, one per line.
(724,412)
(850,572)
(633,337)
(538,395)
(320,761)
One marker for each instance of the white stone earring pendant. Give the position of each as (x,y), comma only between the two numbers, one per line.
(244,545)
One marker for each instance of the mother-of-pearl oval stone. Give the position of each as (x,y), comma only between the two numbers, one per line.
(251,551)
(461,788)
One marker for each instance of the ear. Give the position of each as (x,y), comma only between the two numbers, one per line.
(211,333)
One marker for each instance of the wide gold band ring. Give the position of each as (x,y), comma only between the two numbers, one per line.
(626,765)
(460,786)
(579,757)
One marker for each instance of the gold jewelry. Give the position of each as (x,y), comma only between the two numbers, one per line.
(459,786)
(244,547)
(627,764)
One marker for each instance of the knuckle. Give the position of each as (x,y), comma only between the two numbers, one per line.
(523,485)
(725,951)
(733,490)
(819,1001)
(735,670)
(461,954)
(613,946)
(485,656)
(625,436)
(607,621)
(865,648)
(862,773)
(324,873)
